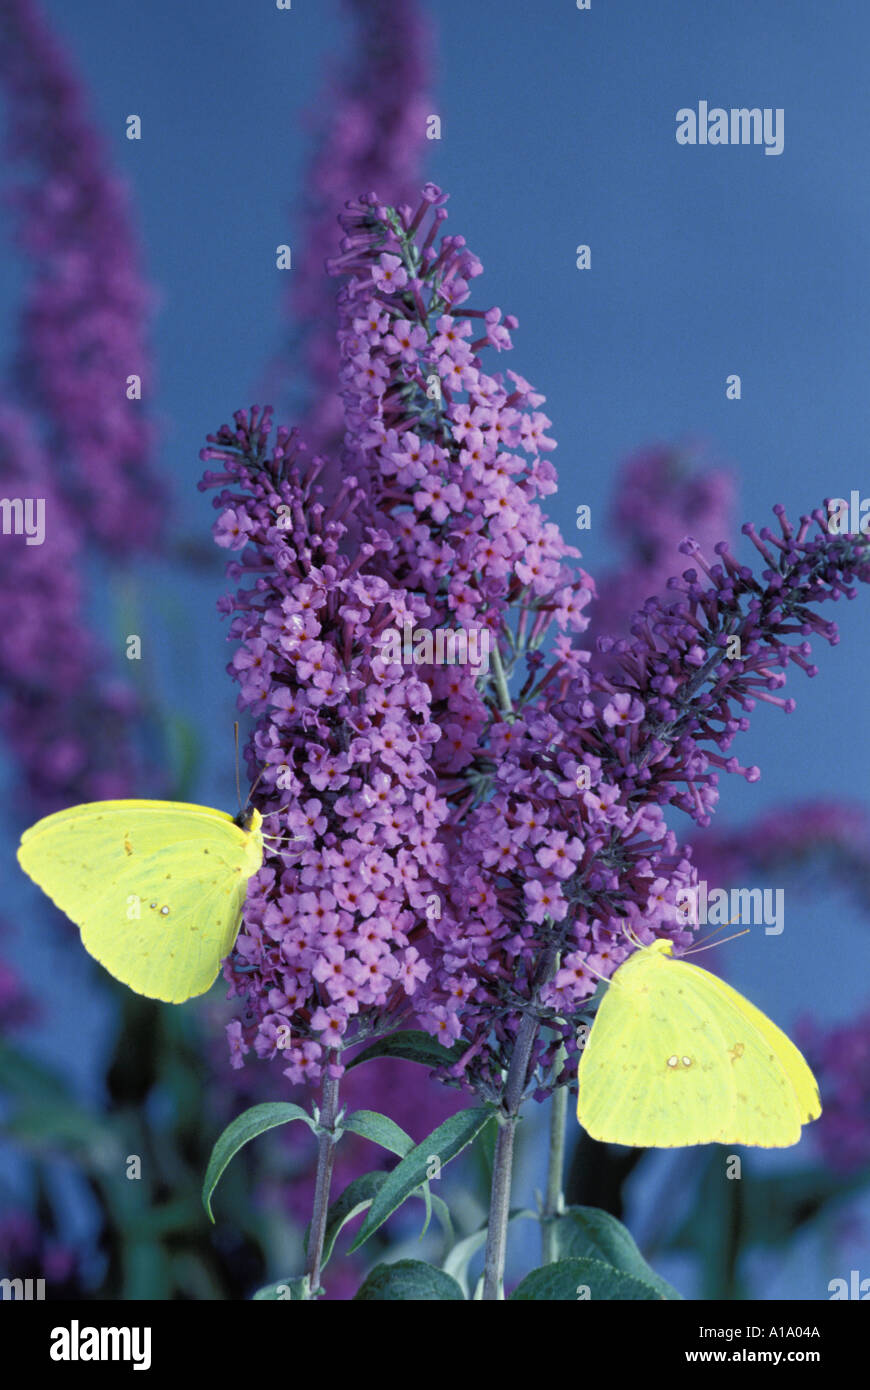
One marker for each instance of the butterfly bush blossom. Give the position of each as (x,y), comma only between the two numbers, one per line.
(330,943)
(556,832)
(372,124)
(449,457)
(83,322)
(661,494)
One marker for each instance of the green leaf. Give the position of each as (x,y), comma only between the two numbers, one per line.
(409,1279)
(20,1075)
(460,1257)
(380,1129)
(449,1139)
(414,1046)
(50,1126)
(488,1136)
(356,1198)
(561,1280)
(244,1128)
(442,1211)
(589,1233)
(290,1290)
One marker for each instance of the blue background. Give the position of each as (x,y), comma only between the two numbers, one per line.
(558,129)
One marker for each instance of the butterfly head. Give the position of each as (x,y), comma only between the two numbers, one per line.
(662,946)
(249,820)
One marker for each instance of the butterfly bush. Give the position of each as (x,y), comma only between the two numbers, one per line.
(370,122)
(67,720)
(833,835)
(840,1058)
(556,833)
(660,495)
(369,132)
(449,457)
(83,323)
(330,944)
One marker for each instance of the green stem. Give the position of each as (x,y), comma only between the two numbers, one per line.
(502,1167)
(554,1203)
(498,675)
(325,1160)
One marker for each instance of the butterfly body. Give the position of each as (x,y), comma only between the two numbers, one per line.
(155,887)
(677,1057)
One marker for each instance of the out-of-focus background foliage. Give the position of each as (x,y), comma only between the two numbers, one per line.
(557,129)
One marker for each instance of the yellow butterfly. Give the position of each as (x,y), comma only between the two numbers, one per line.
(156,887)
(677,1057)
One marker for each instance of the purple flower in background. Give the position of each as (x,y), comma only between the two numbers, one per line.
(65,719)
(370,131)
(661,495)
(831,835)
(82,331)
(32,1252)
(840,1058)
(17,1006)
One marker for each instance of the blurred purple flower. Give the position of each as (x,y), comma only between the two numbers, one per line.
(840,1058)
(66,721)
(83,323)
(832,834)
(370,132)
(661,494)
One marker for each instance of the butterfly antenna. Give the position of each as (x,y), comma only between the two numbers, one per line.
(255,785)
(696,949)
(630,933)
(698,945)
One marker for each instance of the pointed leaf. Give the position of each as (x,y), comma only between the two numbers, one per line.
(356,1197)
(449,1139)
(409,1279)
(442,1211)
(380,1129)
(564,1279)
(589,1233)
(244,1128)
(414,1046)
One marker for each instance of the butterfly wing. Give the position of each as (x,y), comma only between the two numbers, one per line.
(106,863)
(675,1059)
(780,1049)
(628,1092)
